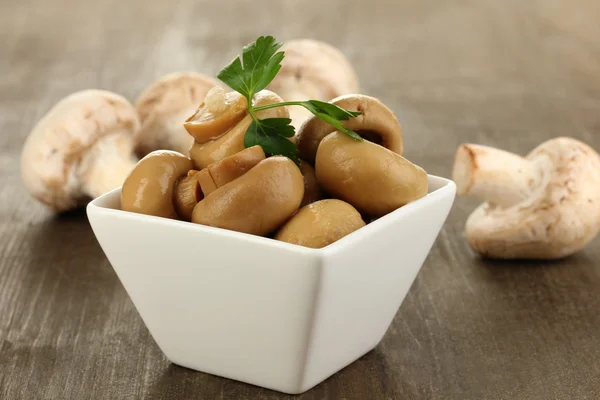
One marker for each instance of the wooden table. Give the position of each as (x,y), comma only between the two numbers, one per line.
(509,74)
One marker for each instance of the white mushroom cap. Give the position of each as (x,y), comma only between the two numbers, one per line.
(544,206)
(312,70)
(163,108)
(81,148)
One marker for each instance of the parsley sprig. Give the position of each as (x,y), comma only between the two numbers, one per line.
(252,72)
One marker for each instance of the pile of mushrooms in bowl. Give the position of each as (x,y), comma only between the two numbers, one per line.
(337,184)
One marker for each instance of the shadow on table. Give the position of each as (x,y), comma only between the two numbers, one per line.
(368,377)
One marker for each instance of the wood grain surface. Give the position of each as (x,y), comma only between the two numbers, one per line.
(505,73)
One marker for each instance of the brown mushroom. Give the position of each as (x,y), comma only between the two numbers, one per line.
(543,206)
(312,70)
(257,202)
(222,172)
(377,123)
(149,188)
(218,113)
(204,154)
(187,194)
(312,190)
(81,149)
(164,106)
(321,223)
(372,178)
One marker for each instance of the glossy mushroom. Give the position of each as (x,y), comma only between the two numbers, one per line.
(321,223)
(377,123)
(232,140)
(218,113)
(149,188)
(222,172)
(165,105)
(81,149)
(312,70)
(312,190)
(257,202)
(372,178)
(542,206)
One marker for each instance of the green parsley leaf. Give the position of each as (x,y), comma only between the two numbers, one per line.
(316,106)
(258,65)
(271,134)
(338,125)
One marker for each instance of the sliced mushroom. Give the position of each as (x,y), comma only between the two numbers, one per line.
(312,190)
(321,223)
(81,149)
(204,154)
(372,178)
(257,202)
(187,194)
(312,70)
(164,106)
(149,188)
(377,123)
(543,206)
(222,172)
(218,113)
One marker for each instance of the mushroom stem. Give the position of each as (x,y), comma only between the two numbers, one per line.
(186,195)
(106,165)
(494,175)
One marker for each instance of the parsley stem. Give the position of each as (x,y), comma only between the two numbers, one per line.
(274,105)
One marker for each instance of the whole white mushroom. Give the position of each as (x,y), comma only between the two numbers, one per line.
(81,149)
(543,206)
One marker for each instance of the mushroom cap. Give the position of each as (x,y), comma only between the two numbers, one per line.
(205,154)
(165,105)
(257,202)
(57,152)
(372,178)
(377,123)
(321,70)
(321,223)
(560,217)
(149,187)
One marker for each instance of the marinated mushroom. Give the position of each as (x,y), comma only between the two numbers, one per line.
(164,106)
(222,172)
(257,202)
(543,206)
(372,178)
(150,187)
(377,123)
(312,70)
(321,223)
(232,141)
(81,149)
(312,190)
(187,194)
(218,113)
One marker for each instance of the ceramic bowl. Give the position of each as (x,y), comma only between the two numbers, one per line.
(269,313)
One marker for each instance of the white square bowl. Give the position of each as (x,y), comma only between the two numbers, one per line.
(269,313)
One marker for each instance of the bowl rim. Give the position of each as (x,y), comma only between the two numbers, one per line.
(443,188)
